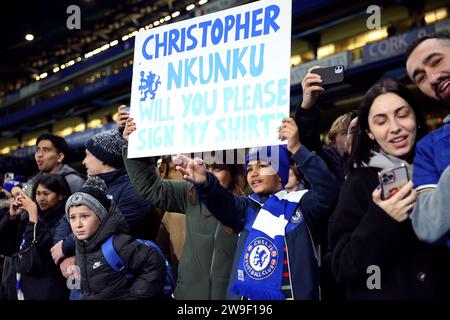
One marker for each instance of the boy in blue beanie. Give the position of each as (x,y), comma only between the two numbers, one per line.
(276,255)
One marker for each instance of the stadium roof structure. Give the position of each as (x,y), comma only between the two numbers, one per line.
(102,21)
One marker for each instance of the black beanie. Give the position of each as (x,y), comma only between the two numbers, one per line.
(107,147)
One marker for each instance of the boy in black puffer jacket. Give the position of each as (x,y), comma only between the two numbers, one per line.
(93,219)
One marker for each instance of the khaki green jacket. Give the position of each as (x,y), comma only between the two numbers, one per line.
(209,248)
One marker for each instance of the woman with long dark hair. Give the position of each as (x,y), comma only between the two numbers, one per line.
(27,236)
(375,252)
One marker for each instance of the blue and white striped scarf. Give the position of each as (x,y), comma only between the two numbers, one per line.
(260,269)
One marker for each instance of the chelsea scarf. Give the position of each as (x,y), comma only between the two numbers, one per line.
(260,269)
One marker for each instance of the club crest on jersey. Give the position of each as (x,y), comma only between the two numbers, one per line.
(297,217)
(261,258)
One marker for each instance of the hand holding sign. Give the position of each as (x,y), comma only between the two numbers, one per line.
(123,113)
(214,82)
(193,170)
(130,127)
(288,130)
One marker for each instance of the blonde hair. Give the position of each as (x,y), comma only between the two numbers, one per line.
(340,124)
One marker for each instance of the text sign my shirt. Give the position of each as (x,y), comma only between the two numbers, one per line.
(215,82)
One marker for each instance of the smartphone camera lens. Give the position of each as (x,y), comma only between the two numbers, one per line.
(387,177)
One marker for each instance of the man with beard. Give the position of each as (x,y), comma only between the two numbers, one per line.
(428,66)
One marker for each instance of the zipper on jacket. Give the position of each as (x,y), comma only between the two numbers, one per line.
(212,260)
(289,269)
(316,250)
(86,271)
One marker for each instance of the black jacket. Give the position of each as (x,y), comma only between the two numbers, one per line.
(44,282)
(136,211)
(361,234)
(308,122)
(102,282)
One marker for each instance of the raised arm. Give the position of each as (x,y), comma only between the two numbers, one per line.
(324,191)
(307,115)
(164,194)
(223,204)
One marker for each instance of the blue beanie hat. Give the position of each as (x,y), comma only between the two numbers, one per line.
(277,156)
(9,185)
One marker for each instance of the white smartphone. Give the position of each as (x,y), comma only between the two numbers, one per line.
(392,179)
(9,176)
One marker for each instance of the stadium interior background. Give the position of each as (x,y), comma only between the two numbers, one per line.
(71,82)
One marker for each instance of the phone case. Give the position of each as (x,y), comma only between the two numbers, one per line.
(331,75)
(391,180)
(27,189)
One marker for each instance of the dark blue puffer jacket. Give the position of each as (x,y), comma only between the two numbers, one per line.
(136,211)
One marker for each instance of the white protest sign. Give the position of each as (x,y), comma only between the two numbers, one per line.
(215,82)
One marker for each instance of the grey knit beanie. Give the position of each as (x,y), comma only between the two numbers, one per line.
(92,194)
(107,147)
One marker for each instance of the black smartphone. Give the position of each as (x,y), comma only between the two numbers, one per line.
(392,179)
(330,75)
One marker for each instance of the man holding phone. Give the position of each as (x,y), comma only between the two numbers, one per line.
(428,66)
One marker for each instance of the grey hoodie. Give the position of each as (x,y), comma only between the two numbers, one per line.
(72,177)
(431,215)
